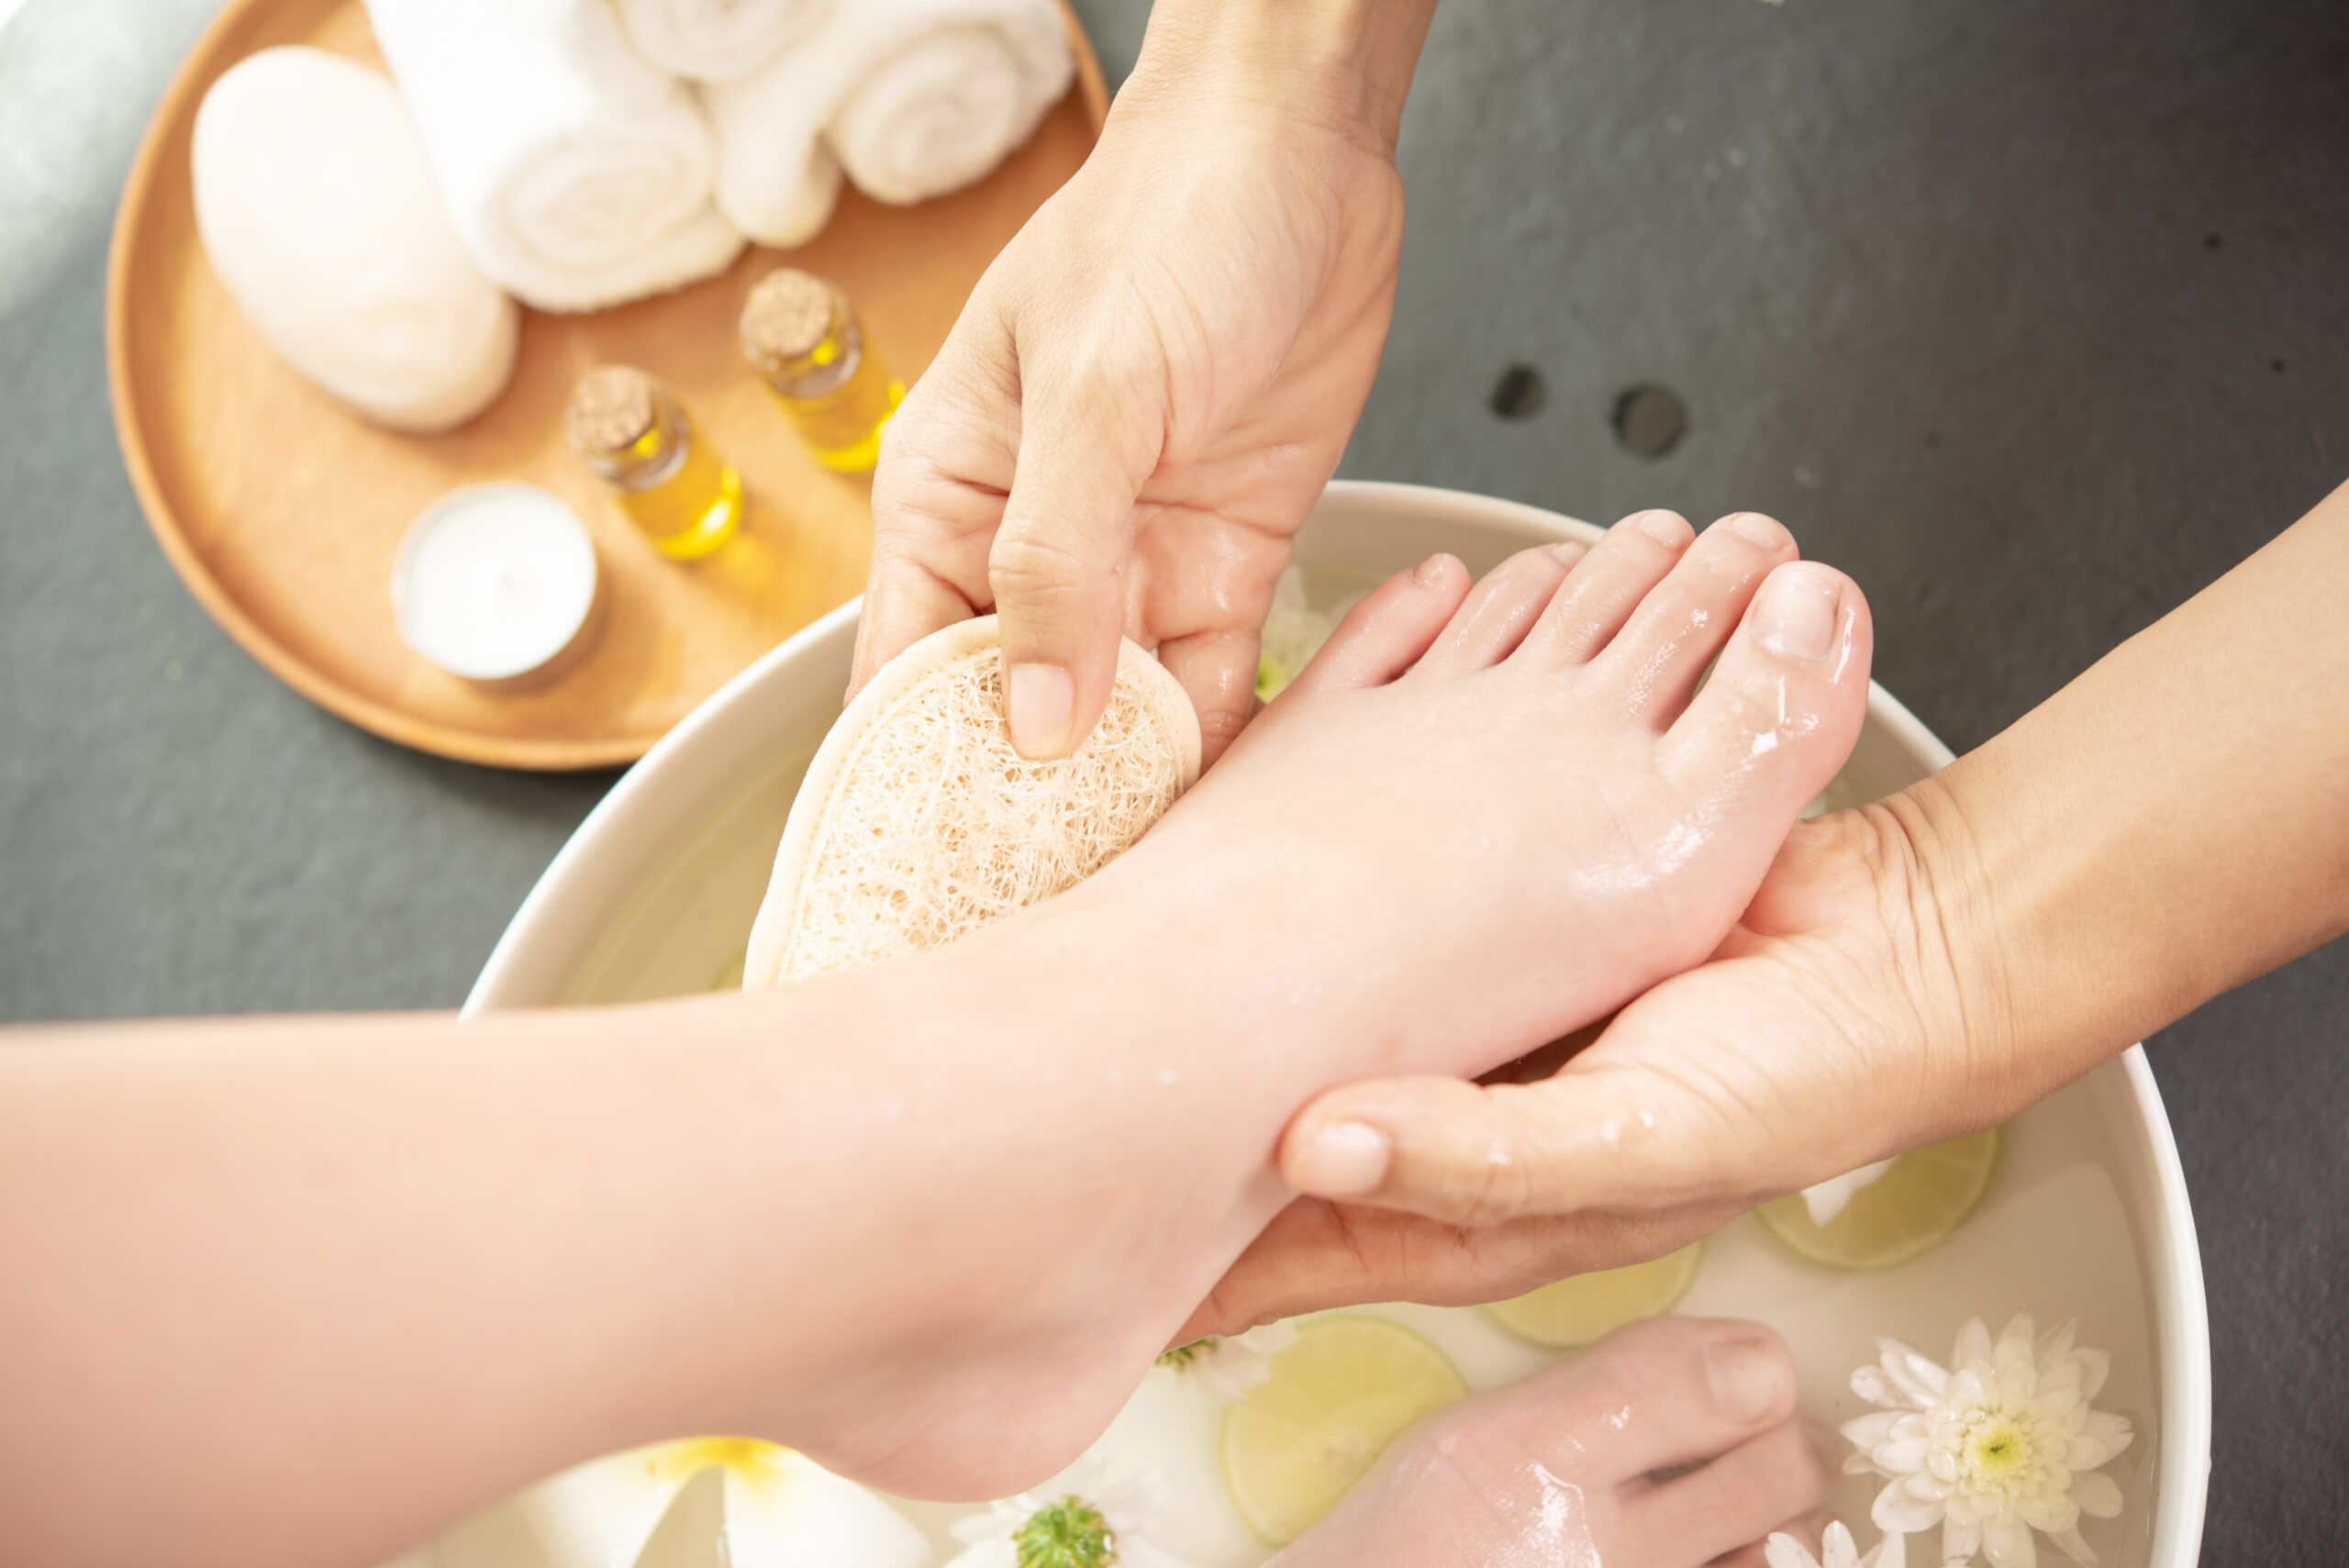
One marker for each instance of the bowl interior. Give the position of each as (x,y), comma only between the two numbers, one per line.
(2086,1216)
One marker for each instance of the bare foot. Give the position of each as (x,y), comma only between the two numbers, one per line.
(1486,818)
(1564,1467)
(1479,819)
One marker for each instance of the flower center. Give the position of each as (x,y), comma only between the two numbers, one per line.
(1182,1356)
(2000,1452)
(745,1456)
(1070,1533)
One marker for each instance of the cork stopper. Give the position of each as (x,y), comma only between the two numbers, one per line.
(610,410)
(786,315)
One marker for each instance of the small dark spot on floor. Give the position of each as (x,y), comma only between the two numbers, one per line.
(1649,419)
(1520,394)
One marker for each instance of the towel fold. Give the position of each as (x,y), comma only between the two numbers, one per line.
(717,40)
(577,175)
(913,98)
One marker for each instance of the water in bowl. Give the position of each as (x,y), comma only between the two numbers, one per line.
(2052,1235)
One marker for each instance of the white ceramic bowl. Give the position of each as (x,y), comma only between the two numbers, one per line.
(653,896)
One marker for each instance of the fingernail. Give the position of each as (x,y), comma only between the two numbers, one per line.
(1428,573)
(1666,528)
(1748,1379)
(1041,698)
(1345,1158)
(1796,618)
(1755,529)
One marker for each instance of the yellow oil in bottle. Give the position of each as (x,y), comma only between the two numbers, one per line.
(672,484)
(806,342)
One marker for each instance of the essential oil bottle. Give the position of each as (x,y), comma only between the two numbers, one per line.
(802,337)
(670,482)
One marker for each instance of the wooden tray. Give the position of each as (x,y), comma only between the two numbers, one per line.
(281,511)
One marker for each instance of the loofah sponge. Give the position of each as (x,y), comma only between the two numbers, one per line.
(917,823)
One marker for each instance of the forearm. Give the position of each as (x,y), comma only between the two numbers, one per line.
(366,1274)
(2171,824)
(1343,65)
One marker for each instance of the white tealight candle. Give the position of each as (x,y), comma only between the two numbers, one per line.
(493,580)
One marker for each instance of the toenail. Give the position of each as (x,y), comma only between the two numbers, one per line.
(1796,618)
(1665,526)
(1749,1379)
(1345,1159)
(1569,552)
(1432,571)
(1757,528)
(1041,700)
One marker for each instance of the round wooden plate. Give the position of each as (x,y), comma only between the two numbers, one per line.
(282,511)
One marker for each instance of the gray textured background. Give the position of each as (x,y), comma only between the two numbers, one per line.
(2031,316)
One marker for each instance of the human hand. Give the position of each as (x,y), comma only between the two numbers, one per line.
(1155,380)
(1838,1024)
(1561,1467)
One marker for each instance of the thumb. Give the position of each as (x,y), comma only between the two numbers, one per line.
(1057,567)
(1473,1156)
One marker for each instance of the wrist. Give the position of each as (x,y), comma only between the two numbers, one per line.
(1341,65)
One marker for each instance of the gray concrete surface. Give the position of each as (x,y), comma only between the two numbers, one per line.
(2030,316)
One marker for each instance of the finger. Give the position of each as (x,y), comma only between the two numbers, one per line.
(1480,1156)
(903,602)
(1219,671)
(1389,630)
(1680,1391)
(1316,1255)
(1735,1500)
(1056,568)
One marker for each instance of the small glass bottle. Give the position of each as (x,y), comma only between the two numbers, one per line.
(799,334)
(639,439)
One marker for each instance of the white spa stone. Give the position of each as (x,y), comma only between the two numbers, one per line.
(493,580)
(322,218)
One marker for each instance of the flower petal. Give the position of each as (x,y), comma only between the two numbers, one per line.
(793,1513)
(1892,1551)
(2098,1496)
(2016,1343)
(1871,1384)
(2072,1547)
(2095,1367)
(2055,1345)
(2008,1541)
(2109,1429)
(1973,1344)
(1132,1502)
(1836,1548)
(1895,1509)
(1782,1550)
(1869,1431)
(600,1514)
(1960,1540)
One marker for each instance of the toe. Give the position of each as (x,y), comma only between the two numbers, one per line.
(1501,610)
(1681,1390)
(1653,663)
(1389,630)
(1785,703)
(1607,586)
(1735,1500)
(1219,671)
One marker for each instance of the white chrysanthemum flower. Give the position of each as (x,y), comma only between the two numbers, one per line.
(781,1509)
(1836,1549)
(2001,1444)
(1226,1367)
(1082,1525)
(1828,1198)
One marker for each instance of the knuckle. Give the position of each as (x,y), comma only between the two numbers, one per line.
(1028,564)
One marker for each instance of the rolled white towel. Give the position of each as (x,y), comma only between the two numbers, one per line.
(913,98)
(577,174)
(717,40)
(319,214)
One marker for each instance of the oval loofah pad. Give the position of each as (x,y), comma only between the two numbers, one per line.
(917,823)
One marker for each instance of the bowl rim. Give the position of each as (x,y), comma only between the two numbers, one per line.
(2165,1216)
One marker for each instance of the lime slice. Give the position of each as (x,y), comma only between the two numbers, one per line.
(1912,1208)
(1335,1399)
(1589,1306)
